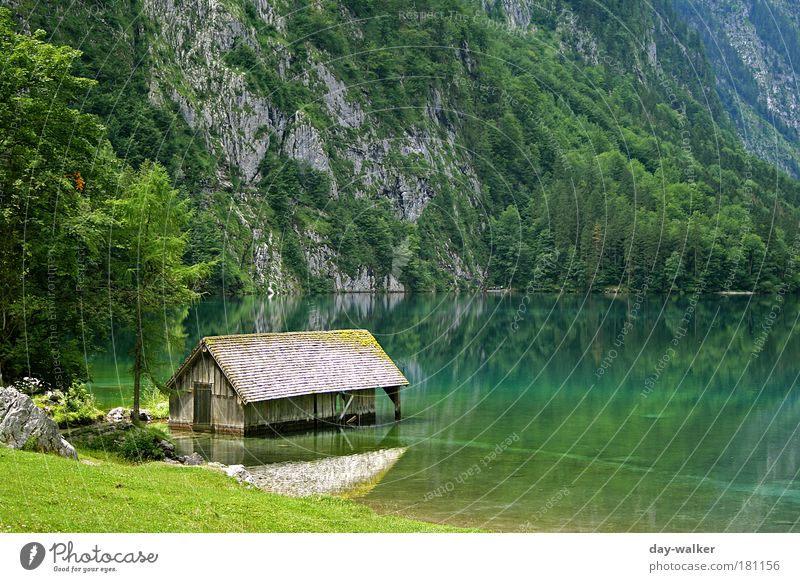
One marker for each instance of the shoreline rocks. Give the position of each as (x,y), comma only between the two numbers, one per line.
(237,472)
(192,460)
(122,414)
(23,425)
(241,474)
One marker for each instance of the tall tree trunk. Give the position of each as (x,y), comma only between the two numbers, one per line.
(137,376)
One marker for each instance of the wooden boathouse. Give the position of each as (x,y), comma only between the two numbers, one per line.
(267,383)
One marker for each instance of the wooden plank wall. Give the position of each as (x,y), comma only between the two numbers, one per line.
(363,402)
(227,414)
(285,410)
(180,407)
(301,408)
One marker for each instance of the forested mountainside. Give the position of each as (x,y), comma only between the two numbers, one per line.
(365,145)
(754,49)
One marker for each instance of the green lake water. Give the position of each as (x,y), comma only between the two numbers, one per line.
(550,413)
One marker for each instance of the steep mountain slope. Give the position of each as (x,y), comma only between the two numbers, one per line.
(363,145)
(754,48)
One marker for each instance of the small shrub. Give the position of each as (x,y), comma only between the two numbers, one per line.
(129,442)
(76,408)
(108,442)
(31,444)
(141,446)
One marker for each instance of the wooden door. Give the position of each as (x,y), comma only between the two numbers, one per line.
(202,403)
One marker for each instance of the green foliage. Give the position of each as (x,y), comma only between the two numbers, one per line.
(66,202)
(156,402)
(119,57)
(106,441)
(362,235)
(416,273)
(31,445)
(141,446)
(53,182)
(77,407)
(292,255)
(152,238)
(778,33)
(606,176)
(131,443)
(507,245)
(153,235)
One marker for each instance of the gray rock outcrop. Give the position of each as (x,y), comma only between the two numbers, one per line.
(24,425)
(239,119)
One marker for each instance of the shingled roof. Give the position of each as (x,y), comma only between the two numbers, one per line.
(267,366)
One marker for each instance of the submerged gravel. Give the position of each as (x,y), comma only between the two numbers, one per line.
(329,476)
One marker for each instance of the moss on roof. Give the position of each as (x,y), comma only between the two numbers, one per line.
(267,366)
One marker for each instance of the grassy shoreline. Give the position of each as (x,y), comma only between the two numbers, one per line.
(46,493)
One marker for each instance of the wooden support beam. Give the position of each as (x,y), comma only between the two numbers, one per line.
(346,406)
(316,413)
(393,392)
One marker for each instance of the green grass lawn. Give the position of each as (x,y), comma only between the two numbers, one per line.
(45,493)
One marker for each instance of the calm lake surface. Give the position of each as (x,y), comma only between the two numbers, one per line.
(553,413)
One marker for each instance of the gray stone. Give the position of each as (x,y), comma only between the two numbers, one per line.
(304,143)
(23,424)
(54,396)
(168,448)
(119,414)
(346,113)
(241,474)
(122,414)
(193,460)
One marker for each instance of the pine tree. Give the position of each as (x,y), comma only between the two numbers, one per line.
(152,278)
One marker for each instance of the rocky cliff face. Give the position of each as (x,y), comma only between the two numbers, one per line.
(754,48)
(240,121)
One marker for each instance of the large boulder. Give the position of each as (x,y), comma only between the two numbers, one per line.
(24,425)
